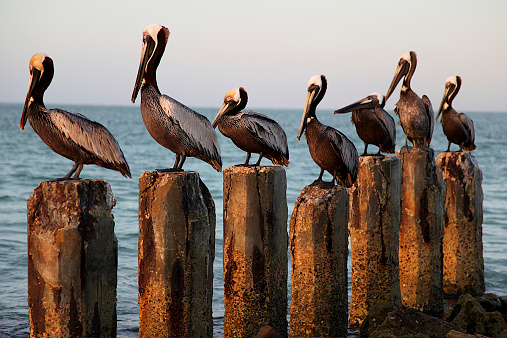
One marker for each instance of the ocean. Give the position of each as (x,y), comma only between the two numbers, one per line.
(25,161)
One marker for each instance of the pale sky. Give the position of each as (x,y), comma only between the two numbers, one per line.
(271,48)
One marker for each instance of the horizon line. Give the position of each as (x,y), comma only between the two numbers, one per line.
(218,107)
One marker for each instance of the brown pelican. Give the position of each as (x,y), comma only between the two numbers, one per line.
(329,148)
(458,127)
(250,131)
(69,134)
(373,124)
(172,124)
(416,114)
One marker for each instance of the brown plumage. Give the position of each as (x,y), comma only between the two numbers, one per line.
(416,114)
(68,134)
(329,148)
(172,124)
(458,127)
(373,124)
(250,131)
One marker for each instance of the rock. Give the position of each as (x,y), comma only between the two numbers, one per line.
(412,323)
(267,332)
(459,334)
(376,316)
(471,316)
(491,302)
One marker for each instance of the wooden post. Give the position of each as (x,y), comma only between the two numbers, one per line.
(462,244)
(176,253)
(319,251)
(72,260)
(374,232)
(255,250)
(421,231)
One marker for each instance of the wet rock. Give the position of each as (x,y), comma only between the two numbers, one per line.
(458,334)
(470,315)
(267,332)
(376,316)
(412,323)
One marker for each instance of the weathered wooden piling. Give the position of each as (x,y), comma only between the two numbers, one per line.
(462,242)
(319,251)
(72,260)
(374,222)
(421,231)
(176,253)
(255,250)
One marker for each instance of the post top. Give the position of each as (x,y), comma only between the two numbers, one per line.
(413,152)
(252,169)
(377,159)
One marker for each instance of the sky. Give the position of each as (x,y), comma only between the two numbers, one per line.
(271,48)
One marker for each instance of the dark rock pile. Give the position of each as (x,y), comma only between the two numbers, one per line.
(484,316)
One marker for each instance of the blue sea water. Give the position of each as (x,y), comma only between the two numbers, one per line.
(25,161)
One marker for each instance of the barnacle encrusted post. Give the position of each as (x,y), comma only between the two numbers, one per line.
(72,260)
(255,250)
(176,254)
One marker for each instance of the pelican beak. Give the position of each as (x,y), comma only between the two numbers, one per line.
(448,91)
(401,71)
(310,96)
(365,103)
(227,106)
(35,75)
(146,54)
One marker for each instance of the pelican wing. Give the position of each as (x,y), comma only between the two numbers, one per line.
(469,125)
(431,116)
(196,126)
(387,120)
(266,131)
(88,134)
(344,149)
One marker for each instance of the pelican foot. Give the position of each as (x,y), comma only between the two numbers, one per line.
(374,155)
(66,179)
(322,184)
(405,149)
(169,170)
(429,150)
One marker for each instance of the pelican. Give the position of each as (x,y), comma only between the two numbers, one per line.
(373,124)
(250,131)
(172,124)
(416,114)
(68,134)
(458,127)
(330,149)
